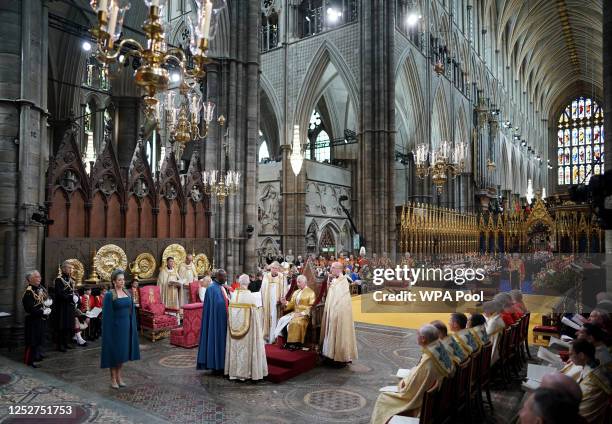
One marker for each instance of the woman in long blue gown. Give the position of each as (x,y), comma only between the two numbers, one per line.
(119,334)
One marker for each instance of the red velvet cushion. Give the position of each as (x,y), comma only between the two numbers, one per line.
(546,328)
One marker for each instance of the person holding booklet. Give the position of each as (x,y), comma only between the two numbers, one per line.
(407,395)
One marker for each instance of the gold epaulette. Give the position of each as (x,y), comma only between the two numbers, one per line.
(29,288)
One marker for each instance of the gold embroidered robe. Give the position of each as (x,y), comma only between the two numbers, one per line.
(300,305)
(245,351)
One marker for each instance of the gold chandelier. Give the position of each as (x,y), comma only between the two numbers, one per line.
(221,184)
(184,115)
(446,159)
(153,75)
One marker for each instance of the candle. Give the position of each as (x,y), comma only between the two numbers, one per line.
(112,23)
(205,25)
(102,5)
(154,3)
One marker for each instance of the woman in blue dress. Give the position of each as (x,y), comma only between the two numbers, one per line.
(119,334)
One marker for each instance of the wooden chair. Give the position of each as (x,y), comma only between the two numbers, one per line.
(485,372)
(426,416)
(525,335)
(461,396)
(444,412)
(476,370)
(498,370)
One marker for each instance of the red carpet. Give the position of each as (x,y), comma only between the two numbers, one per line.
(285,364)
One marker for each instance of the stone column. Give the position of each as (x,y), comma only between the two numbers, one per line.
(128,124)
(23,141)
(375,191)
(237,90)
(293,195)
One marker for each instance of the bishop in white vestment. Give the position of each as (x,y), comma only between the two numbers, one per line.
(169,283)
(273,287)
(245,352)
(337,327)
(188,273)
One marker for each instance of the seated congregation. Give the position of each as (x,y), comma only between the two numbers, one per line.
(464,359)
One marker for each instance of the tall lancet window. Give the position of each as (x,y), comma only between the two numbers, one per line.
(263,155)
(319,146)
(269,31)
(580,142)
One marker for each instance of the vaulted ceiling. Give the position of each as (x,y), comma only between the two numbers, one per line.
(555,46)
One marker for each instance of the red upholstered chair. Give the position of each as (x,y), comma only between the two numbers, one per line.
(549,328)
(189,334)
(194,286)
(155,318)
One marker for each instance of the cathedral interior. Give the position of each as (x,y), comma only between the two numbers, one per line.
(243,132)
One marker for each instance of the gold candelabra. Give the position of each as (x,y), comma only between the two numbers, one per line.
(152,75)
(446,159)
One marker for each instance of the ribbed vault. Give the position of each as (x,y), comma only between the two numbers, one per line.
(554,46)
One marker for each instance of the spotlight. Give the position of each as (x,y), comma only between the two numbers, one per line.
(413,19)
(175,77)
(121,58)
(333,15)
(86,46)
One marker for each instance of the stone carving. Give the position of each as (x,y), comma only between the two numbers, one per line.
(171,192)
(140,187)
(196,194)
(268,210)
(69,181)
(107,184)
(311,238)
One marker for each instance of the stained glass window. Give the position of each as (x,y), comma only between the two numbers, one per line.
(580,149)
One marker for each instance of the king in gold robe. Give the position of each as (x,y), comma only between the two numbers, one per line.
(273,287)
(337,327)
(169,283)
(434,365)
(298,318)
(245,352)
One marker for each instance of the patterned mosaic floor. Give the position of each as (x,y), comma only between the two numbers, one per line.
(165,387)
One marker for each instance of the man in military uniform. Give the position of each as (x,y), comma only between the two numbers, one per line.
(36,304)
(66,300)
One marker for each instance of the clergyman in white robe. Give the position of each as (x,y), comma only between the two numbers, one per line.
(245,352)
(188,273)
(273,287)
(169,284)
